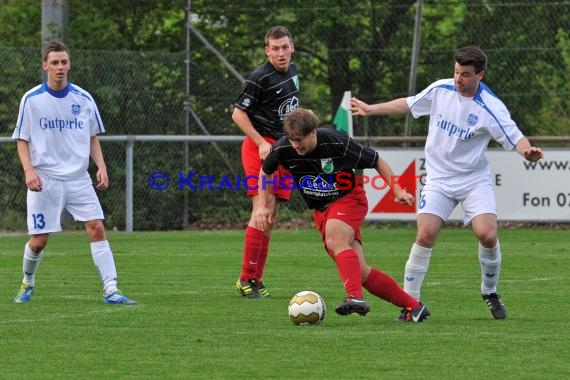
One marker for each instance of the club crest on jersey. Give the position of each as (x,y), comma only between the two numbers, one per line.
(75,109)
(472,120)
(327,165)
(246,102)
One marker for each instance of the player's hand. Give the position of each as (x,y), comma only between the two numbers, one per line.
(533,154)
(264,149)
(33,181)
(102,179)
(404,197)
(358,107)
(263,218)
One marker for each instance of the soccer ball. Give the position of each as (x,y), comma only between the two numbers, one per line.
(307,308)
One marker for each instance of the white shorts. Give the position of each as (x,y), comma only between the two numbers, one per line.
(78,197)
(476,198)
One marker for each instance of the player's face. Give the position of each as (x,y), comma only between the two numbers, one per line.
(279,52)
(466,80)
(304,144)
(57,66)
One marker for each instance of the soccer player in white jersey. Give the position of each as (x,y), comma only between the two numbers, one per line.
(56,133)
(464,116)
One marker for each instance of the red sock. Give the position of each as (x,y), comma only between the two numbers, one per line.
(262,258)
(348,268)
(385,287)
(254,243)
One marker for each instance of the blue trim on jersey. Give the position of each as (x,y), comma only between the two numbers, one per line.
(99,124)
(76,90)
(57,93)
(484,87)
(444,86)
(479,100)
(40,90)
(449,87)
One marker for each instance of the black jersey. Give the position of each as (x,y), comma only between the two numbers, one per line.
(268,95)
(326,173)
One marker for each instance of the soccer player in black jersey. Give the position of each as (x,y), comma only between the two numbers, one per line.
(269,93)
(322,163)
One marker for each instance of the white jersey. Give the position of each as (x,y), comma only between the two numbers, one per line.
(460,128)
(58,126)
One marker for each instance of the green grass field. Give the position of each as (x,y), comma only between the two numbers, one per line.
(191,323)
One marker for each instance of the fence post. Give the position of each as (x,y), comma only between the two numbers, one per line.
(129,183)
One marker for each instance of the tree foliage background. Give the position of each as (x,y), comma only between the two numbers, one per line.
(131,55)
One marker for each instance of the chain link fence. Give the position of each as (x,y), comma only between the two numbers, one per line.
(144,93)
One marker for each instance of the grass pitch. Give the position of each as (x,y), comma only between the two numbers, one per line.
(190,322)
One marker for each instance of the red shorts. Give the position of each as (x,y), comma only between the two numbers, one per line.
(252,165)
(351,209)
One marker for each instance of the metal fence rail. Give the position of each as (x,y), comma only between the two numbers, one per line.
(131,203)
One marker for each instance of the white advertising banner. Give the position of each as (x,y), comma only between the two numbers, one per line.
(525,191)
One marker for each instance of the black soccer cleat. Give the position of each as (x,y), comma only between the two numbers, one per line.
(416,315)
(353,305)
(248,289)
(263,291)
(495,304)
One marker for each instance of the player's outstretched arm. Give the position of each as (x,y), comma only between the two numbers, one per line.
(530,153)
(360,108)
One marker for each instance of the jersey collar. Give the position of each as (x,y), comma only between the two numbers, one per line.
(58,94)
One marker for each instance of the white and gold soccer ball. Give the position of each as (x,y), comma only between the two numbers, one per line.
(307,308)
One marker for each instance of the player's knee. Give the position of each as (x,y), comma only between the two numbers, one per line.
(488,240)
(425,239)
(333,244)
(95,229)
(487,237)
(38,244)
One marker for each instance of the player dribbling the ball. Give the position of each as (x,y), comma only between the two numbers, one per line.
(317,158)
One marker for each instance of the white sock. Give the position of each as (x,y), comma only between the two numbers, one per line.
(416,269)
(490,260)
(103,259)
(30,265)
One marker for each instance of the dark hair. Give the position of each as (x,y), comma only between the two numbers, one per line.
(471,56)
(276,33)
(54,46)
(300,123)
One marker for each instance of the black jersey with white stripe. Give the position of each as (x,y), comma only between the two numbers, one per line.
(268,95)
(326,173)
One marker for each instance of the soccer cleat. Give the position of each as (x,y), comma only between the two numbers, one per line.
(416,315)
(263,291)
(495,304)
(353,305)
(24,294)
(118,298)
(249,289)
